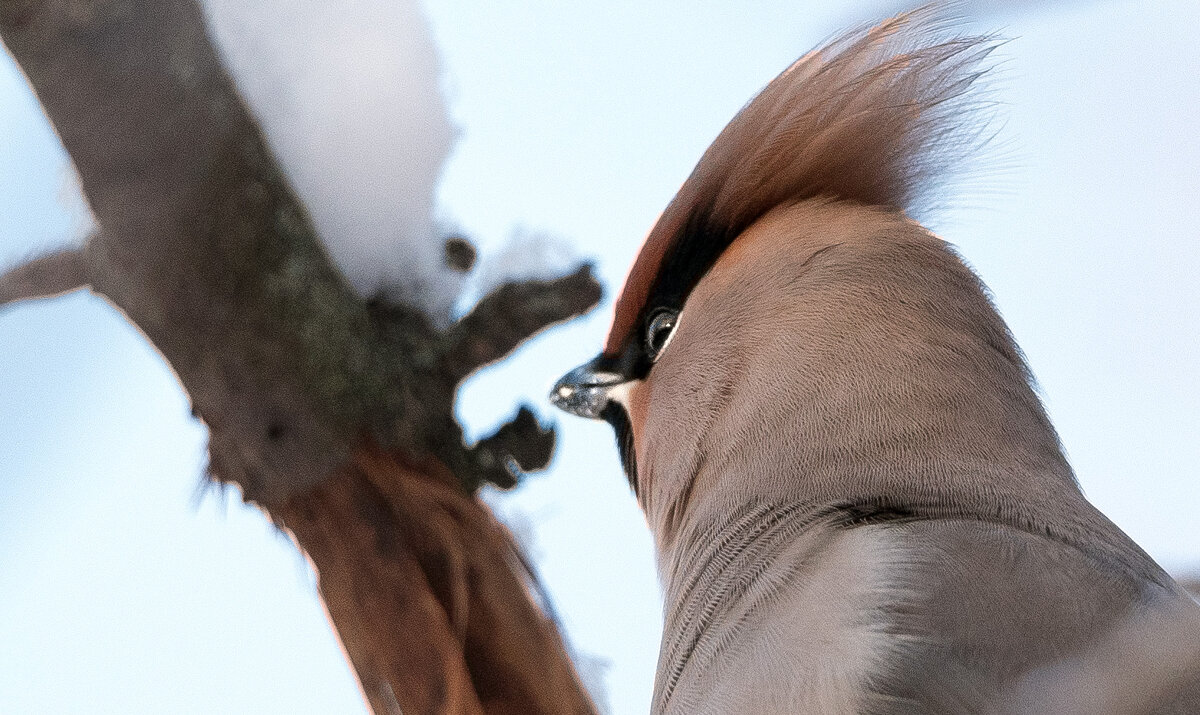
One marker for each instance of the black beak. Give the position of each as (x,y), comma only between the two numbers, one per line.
(585,390)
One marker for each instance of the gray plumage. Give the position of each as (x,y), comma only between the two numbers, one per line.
(864,450)
(858,501)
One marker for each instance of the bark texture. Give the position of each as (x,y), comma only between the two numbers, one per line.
(332,414)
(443,625)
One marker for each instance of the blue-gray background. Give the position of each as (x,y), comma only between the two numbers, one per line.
(124,588)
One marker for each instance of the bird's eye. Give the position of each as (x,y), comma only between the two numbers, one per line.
(659,332)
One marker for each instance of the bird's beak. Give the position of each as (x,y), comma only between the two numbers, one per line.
(585,391)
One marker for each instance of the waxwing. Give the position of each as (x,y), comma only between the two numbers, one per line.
(858,502)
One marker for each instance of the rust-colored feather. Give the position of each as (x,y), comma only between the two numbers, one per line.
(879,116)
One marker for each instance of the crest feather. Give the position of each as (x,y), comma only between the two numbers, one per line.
(881,116)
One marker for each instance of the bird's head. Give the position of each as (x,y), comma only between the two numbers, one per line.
(787,258)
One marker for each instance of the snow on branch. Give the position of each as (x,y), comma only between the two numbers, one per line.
(207,249)
(348,96)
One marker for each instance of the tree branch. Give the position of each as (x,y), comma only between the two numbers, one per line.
(203,245)
(207,250)
(45,276)
(521,445)
(512,314)
(442,542)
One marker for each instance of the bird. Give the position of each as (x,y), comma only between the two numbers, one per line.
(858,502)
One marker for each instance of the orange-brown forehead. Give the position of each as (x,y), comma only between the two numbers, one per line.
(638,283)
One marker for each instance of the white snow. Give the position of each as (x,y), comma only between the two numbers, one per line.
(527,255)
(348,94)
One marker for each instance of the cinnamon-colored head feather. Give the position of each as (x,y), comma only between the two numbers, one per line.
(879,116)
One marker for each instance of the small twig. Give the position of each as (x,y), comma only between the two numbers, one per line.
(45,276)
(512,314)
(521,445)
(459,254)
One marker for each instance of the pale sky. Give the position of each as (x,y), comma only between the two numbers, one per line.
(126,590)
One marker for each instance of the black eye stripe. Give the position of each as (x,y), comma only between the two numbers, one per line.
(690,256)
(616,416)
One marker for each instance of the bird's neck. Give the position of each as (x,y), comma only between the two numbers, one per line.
(933,427)
(881,375)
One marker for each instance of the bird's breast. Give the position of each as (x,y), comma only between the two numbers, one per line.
(774,612)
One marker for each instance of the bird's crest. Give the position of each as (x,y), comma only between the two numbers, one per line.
(880,116)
